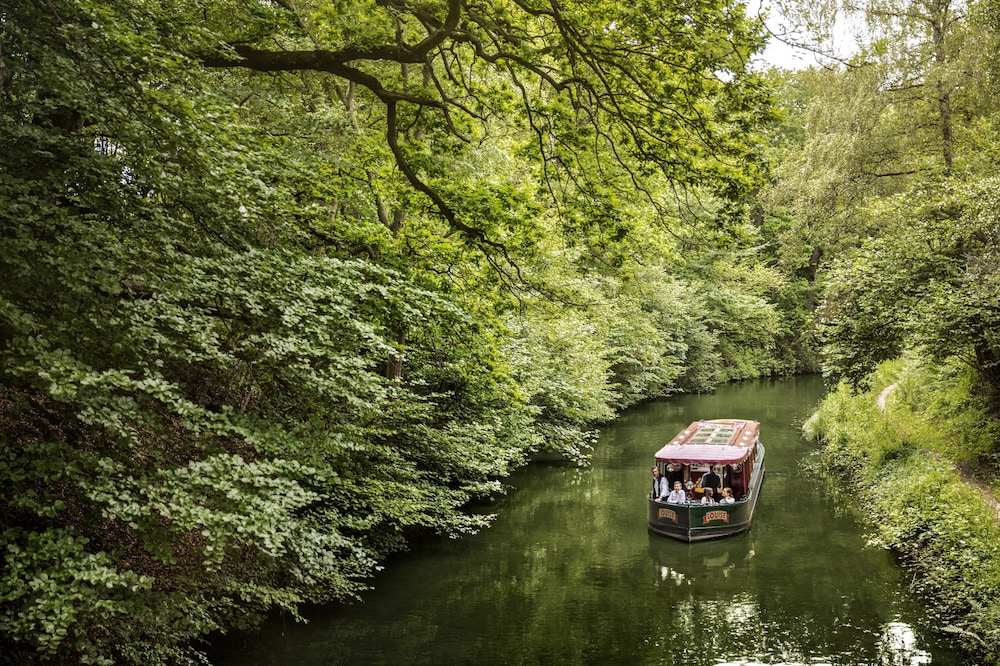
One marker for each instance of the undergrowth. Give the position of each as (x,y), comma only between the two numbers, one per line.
(903,465)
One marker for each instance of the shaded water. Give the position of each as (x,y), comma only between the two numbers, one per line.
(568,573)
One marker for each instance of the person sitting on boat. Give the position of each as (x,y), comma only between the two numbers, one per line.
(661,487)
(711,480)
(677,495)
(727,496)
(708,498)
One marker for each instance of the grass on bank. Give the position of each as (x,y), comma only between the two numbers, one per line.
(904,466)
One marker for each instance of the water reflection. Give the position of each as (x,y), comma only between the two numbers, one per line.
(717,601)
(899,642)
(746,610)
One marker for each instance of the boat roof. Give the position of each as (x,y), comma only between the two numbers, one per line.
(722,441)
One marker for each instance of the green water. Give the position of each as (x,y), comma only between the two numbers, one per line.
(568,573)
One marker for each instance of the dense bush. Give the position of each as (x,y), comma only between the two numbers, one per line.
(921,506)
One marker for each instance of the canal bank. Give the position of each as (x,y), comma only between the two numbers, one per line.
(569,574)
(917,458)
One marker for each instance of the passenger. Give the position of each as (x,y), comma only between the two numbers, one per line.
(708,498)
(661,487)
(711,480)
(677,495)
(727,496)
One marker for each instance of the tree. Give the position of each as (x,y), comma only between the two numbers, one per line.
(665,90)
(889,141)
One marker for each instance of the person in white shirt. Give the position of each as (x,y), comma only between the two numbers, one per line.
(677,495)
(707,498)
(727,496)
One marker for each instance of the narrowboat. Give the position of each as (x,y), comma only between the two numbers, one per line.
(729,448)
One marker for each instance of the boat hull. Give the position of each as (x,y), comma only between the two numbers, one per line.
(698,522)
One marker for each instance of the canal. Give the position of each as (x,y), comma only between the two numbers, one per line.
(568,573)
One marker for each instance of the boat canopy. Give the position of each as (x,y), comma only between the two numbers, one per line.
(722,442)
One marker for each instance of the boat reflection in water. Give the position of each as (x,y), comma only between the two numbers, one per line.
(729,452)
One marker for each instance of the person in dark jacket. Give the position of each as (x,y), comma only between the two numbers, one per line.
(661,488)
(712,480)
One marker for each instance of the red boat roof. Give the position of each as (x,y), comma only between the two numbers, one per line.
(722,441)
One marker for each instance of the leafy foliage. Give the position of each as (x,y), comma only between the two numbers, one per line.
(932,285)
(283,289)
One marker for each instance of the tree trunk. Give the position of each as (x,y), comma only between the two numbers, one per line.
(939,11)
